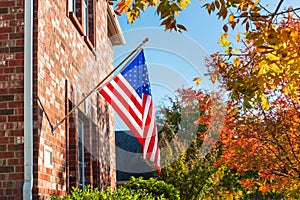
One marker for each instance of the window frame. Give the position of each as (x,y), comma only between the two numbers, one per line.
(48,157)
(81,163)
(82,13)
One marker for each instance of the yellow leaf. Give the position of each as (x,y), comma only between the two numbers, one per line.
(183,3)
(261,67)
(238,37)
(290,62)
(294,35)
(228,50)
(130,17)
(231,18)
(236,61)
(197,80)
(214,77)
(264,102)
(154,2)
(272,57)
(275,68)
(223,41)
(236,50)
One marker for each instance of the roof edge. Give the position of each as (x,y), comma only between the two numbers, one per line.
(114,30)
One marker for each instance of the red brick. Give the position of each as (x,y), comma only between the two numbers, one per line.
(20,43)
(6,111)
(16,176)
(16,36)
(16,91)
(7,70)
(19,169)
(3,105)
(7,154)
(16,62)
(16,49)
(8,17)
(3,36)
(16,104)
(20,55)
(6,29)
(3,147)
(3,77)
(7,3)
(19,69)
(4,50)
(19,111)
(4,10)
(2,133)
(16,118)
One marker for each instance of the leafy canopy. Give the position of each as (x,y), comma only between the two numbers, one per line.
(266,59)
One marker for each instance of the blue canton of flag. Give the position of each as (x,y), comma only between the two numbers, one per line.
(136,73)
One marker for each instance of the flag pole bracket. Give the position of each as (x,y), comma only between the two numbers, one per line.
(53,128)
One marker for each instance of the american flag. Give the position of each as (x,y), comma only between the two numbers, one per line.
(129,93)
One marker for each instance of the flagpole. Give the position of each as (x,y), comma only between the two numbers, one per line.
(97,86)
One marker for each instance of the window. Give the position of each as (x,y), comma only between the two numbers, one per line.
(80,154)
(83,157)
(48,159)
(82,14)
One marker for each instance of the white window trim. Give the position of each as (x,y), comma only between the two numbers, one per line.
(48,157)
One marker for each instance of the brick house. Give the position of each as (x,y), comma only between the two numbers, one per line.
(52,53)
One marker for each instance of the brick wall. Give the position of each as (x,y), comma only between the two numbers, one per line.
(65,69)
(11,98)
(63,56)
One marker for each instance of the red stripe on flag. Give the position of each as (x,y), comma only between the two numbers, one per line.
(125,103)
(129,93)
(123,116)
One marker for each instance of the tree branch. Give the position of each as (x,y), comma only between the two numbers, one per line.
(288,11)
(233,54)
(264,8)
(271,14)
(276,11)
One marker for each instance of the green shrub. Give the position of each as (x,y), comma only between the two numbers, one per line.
(155,187)
(136,189)
(78,194)
(123,193)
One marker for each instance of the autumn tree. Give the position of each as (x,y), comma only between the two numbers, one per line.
(263,60)
(265,142)
(186,163)
(264,57)
(201,174)
(167,10)
(260,69)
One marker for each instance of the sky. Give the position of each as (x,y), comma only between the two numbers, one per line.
(203,28)
(175,59)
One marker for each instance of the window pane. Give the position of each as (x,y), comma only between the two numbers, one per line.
(80,178)
(80,151)
(86,16)
(80,154)
(74,5)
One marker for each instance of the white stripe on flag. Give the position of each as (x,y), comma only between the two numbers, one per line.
(146,108)
(132,90)
(127,99)
(124,110)
(149,136)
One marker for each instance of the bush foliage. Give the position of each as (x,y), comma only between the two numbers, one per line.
(136,189)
